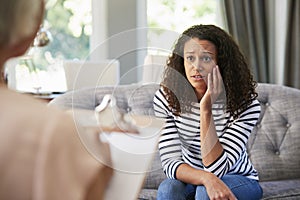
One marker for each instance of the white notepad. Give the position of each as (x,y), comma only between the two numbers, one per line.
(131,154)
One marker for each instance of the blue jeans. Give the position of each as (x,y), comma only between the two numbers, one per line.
(242,187)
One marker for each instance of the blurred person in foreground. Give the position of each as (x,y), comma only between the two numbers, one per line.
(208,100)
(41,155)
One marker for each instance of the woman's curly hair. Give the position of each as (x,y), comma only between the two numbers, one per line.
(238,80)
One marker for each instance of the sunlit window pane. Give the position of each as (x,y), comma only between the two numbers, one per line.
(69,23)
(168,18)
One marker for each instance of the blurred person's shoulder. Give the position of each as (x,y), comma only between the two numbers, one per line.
(21,113)
(20,105)
(37,137)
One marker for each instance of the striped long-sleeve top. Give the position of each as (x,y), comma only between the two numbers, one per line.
(180,139)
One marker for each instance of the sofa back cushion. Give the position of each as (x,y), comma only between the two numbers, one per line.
(274,145)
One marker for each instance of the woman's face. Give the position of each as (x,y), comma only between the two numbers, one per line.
(199,59)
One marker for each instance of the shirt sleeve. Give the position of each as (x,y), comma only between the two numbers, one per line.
(234,139)
(169,142)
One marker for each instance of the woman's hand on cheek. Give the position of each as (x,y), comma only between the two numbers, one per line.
(214,88)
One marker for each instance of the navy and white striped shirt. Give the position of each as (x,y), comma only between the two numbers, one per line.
(180,139)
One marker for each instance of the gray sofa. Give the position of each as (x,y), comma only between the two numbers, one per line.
(274,146)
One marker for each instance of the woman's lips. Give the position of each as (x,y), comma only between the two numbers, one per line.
(198,77)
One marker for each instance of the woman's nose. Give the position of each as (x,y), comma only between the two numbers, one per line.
(198,65)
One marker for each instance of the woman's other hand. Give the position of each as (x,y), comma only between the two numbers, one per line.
(217,189)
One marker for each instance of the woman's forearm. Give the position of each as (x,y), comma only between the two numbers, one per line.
(211,148)
(188,174)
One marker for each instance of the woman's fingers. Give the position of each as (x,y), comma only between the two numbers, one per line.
(215,78)
(209,82)
(220,80)
(215,81)
(214,86)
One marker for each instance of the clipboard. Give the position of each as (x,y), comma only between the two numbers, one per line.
(131,154)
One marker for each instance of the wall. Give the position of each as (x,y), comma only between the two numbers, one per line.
(118,35)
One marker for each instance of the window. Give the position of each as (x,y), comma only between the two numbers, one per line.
(168,18)
(69,23)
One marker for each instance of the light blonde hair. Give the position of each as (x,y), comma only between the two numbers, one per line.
(18,19)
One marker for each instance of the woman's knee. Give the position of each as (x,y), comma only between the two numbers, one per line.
(201,193)
(171,189)
(243,187)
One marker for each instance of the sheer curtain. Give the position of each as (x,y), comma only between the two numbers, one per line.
(268,34)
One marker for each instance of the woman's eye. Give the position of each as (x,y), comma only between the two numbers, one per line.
(206,59)
(190,58)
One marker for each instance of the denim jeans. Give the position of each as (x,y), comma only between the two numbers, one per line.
(242,187)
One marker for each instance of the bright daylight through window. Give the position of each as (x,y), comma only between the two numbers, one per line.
(70,25)
(168,18)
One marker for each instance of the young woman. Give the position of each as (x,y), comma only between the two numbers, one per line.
(208,100)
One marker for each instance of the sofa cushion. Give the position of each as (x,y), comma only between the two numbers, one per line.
(287,189)
(147,194)
(274,146)
(155,175)
(140,98)
(134,98)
